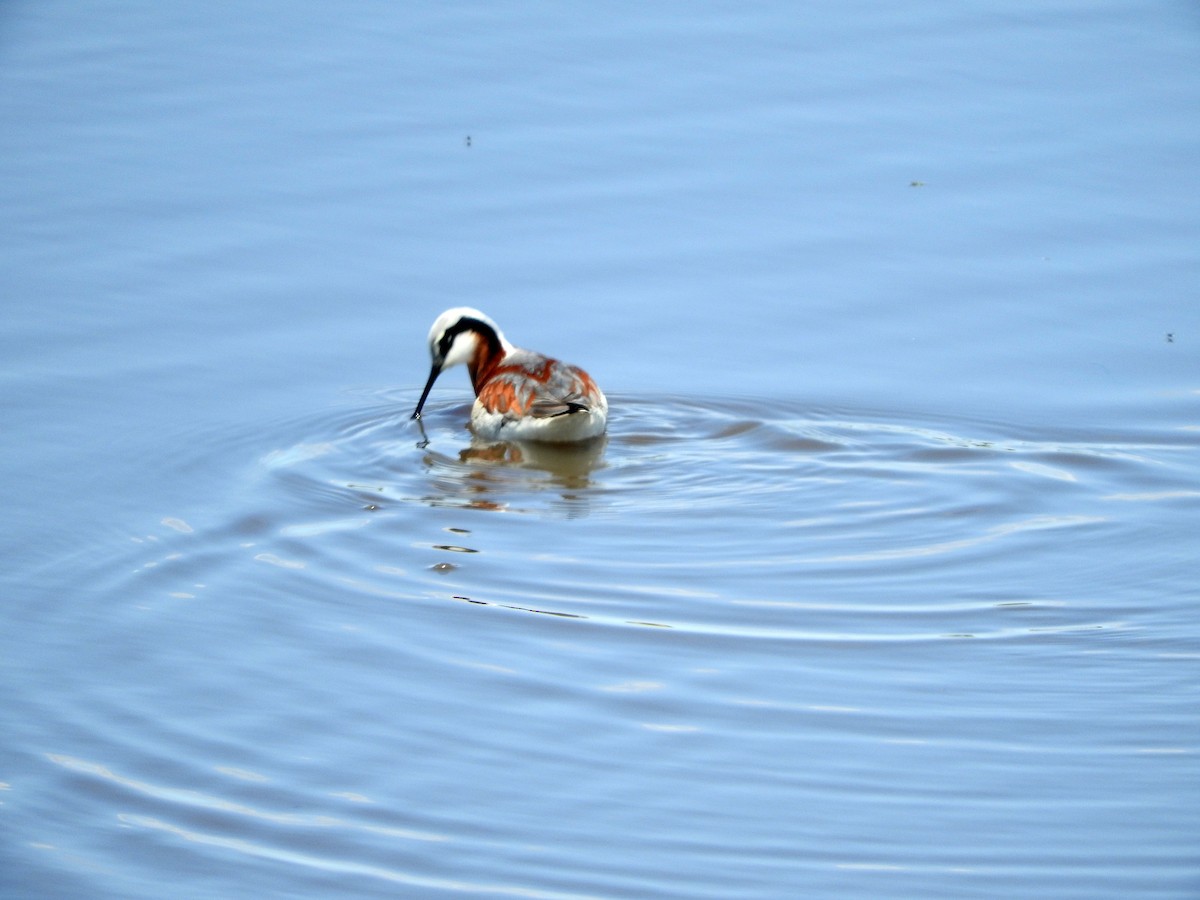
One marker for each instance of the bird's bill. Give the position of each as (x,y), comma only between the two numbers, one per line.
(433,374)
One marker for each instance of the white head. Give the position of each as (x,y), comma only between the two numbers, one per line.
(456,333)
(455,338)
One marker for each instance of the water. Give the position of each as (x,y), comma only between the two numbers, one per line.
(882,584)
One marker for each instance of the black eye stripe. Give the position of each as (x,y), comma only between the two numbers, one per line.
(467,323)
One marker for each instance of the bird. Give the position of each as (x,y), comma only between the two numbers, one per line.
(520,395)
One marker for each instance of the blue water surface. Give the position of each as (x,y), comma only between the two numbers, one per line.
(883,583)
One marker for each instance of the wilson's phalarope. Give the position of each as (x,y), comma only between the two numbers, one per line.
(519,395)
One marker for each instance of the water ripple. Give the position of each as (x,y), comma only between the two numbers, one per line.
(371,637)
(691,514)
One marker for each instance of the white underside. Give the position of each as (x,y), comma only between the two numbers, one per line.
(577,426)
